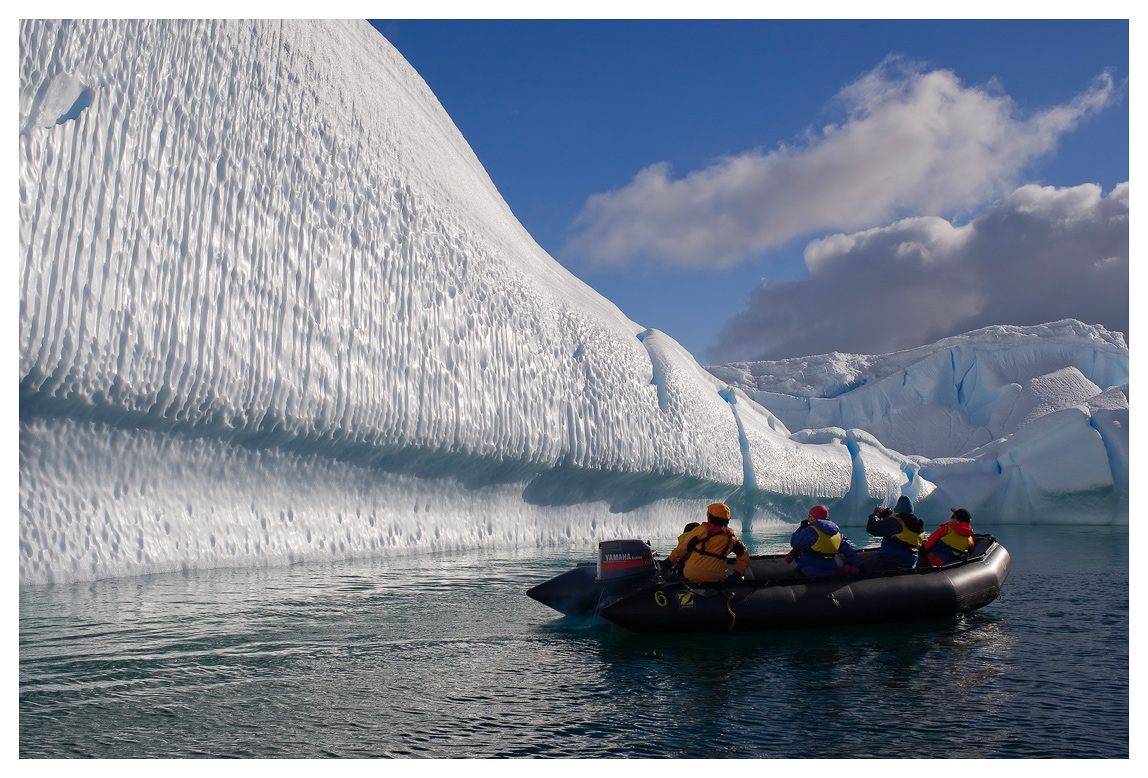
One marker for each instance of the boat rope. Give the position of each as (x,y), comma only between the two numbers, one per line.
(733,616)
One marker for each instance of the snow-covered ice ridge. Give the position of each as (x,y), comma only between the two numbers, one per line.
(273,310)
(1028,422)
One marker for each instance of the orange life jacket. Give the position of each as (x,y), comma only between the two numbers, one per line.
(704,554)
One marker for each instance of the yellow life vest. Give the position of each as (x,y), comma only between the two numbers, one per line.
(956,541)
(907,536)
(826,545)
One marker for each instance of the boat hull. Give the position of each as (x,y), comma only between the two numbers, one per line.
(777,599)
(574,593)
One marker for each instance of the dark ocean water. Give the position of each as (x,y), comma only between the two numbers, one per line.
(445,656)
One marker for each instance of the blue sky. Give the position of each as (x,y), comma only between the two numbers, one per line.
(676,165)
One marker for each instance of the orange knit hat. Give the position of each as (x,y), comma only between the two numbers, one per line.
(718,510)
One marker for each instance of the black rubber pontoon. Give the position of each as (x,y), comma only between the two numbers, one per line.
(774,597)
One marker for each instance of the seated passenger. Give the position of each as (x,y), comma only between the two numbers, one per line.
(816,545)
(689,528)
(901,536)
(952,541)
(703,549)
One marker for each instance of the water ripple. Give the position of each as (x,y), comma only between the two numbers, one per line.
(446,657)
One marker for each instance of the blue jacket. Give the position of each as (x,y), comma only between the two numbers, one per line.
(810,561)
(888,528)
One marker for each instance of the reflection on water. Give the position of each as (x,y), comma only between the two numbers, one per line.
(445,656)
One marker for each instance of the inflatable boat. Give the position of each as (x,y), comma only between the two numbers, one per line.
(629,588)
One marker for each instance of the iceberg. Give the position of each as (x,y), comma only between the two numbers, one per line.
(273,310)
(1028,423)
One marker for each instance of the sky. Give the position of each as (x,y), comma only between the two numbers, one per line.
(763,189)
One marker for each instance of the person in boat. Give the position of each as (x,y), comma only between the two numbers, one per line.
(901,535)
(689,528)
(703,550)
(952,541)
(816,544)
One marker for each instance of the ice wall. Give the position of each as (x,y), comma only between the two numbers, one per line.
(273,309)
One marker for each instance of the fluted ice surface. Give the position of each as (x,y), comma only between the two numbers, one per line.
(273,309)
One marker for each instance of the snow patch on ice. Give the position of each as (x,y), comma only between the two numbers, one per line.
(59,99)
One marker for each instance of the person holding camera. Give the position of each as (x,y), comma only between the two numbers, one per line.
(901,535)
(816,544)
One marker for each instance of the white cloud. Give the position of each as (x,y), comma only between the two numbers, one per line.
(1039,255)
(912,142)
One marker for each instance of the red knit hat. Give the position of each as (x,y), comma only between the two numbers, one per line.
(818,512)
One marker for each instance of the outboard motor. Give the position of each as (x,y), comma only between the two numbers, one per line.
(623,561)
